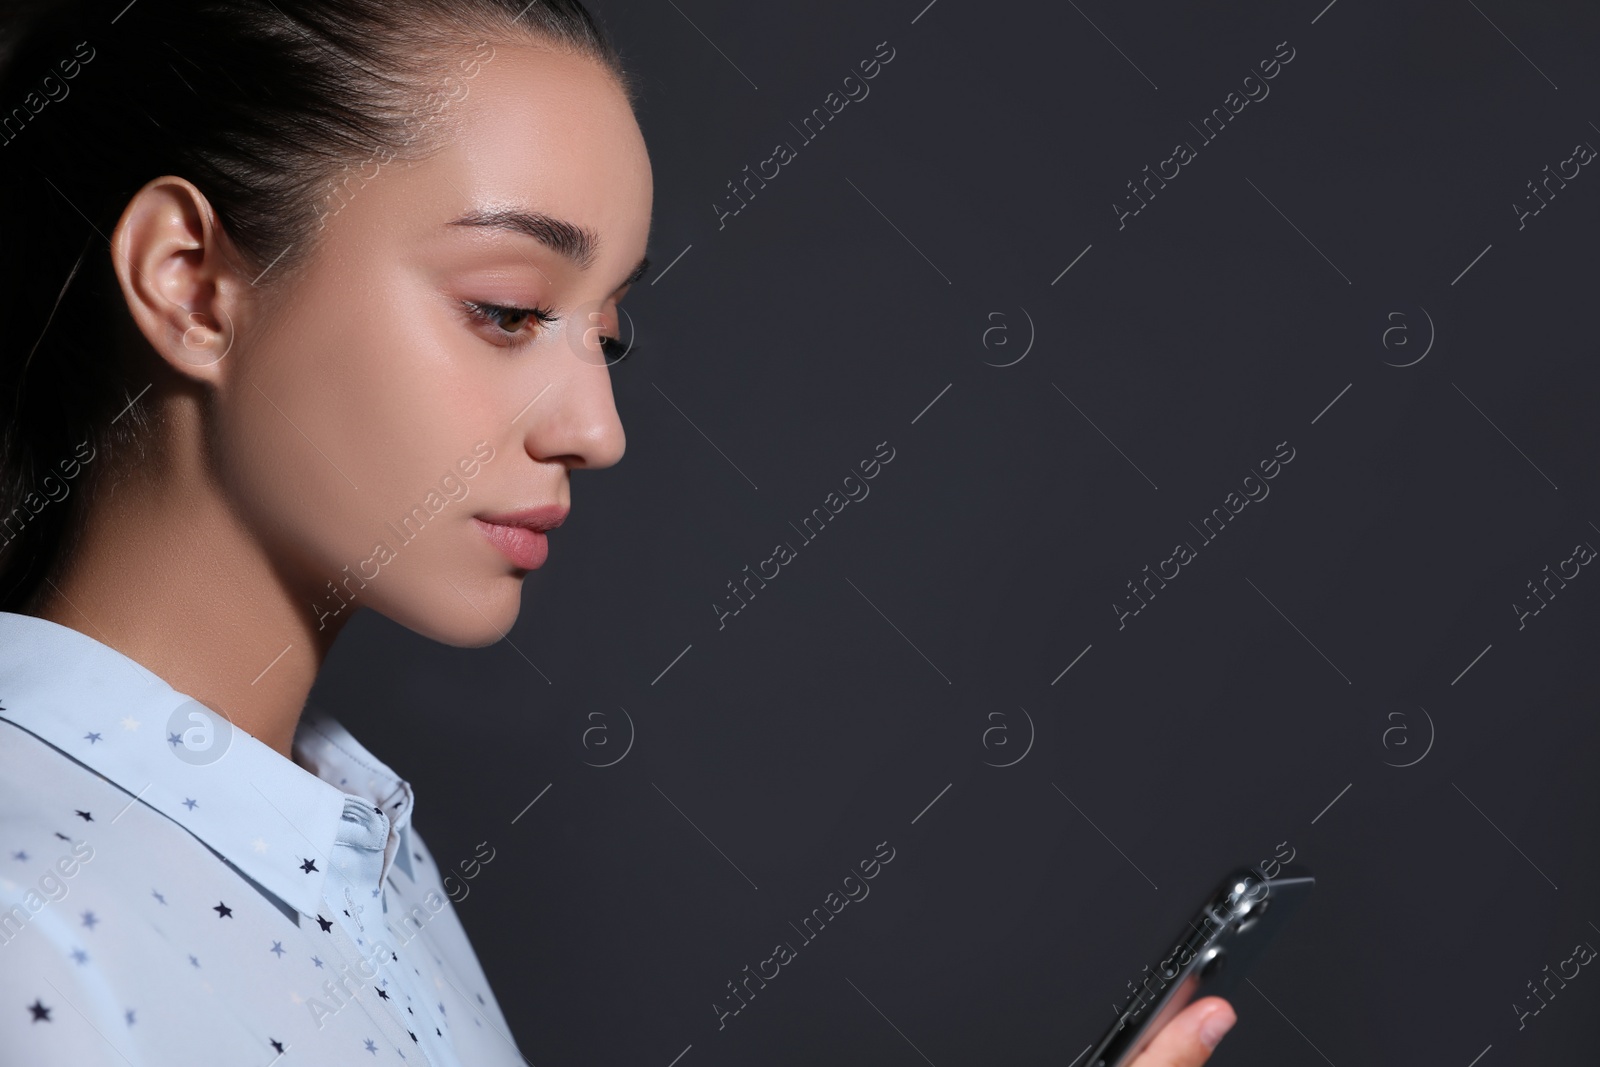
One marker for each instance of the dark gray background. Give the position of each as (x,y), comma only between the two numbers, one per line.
(1255,690)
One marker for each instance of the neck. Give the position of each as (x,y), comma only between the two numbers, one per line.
(173,580)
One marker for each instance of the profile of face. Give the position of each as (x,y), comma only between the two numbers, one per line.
(367,414)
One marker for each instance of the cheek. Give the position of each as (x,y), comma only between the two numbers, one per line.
(344,420)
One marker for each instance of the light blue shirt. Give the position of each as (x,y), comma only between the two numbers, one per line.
(175,892)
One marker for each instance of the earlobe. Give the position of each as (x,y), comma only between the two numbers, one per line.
(177,275)
(204,346)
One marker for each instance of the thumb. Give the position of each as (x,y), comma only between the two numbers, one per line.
(1187,1041)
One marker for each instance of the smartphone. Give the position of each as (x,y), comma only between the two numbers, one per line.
(1228,933)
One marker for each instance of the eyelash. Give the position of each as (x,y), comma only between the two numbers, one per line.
(489,314)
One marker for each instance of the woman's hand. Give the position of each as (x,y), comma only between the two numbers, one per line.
(1187,1041)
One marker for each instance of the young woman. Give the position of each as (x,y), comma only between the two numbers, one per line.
(308,306)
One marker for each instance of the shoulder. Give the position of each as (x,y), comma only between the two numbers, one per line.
(47,801)
(44,986)
(56,1012)
(37,782)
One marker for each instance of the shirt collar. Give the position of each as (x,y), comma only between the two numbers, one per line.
(275,820)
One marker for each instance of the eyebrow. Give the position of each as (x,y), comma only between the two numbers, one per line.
(637,272)
(566,239)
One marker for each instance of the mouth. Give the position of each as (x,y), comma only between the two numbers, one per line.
(520,535)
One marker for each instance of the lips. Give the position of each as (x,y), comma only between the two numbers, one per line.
(543,518)
(519,535)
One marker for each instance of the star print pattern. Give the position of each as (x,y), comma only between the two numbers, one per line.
(215,886)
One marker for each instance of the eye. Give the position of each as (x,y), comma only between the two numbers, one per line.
(615,351)
(508,322)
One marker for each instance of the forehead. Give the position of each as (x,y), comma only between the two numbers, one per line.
(528,126)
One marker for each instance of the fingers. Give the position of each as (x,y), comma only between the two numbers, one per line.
(1188,1040)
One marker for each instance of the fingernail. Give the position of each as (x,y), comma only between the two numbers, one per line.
(1215,1025)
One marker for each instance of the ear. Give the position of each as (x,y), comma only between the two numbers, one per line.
(181,277)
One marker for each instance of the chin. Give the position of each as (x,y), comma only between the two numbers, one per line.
(480,614)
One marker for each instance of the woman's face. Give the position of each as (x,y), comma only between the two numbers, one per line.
(374,416)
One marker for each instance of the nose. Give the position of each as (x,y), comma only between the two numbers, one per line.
(576,422)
